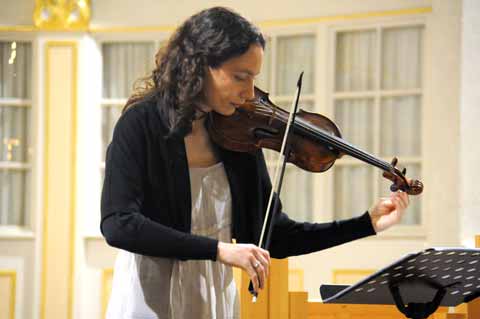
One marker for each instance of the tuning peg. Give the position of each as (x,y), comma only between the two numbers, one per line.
(394,161)
(404,171)
(393,188)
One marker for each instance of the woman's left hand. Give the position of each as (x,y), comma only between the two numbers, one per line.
(389,211)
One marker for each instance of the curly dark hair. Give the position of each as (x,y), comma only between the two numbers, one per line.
(206,39)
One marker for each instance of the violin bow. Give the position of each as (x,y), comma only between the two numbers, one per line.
(274,199)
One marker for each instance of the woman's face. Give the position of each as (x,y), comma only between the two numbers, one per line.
(231,84)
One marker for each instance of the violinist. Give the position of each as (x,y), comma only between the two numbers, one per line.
(172,200)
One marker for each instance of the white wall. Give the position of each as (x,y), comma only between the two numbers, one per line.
(172,12)
(18,12)
(442,123)
(469,208)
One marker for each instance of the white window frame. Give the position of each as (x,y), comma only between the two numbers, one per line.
(90,229)
(118,102)
(410,231)
(313,97)
(32,167)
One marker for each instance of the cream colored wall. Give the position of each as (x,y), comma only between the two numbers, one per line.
(442,123)
(441,135)
(171,12)
(469,150)
(8,280)
(59,227)
(18,257)
(17,12)
(94,253)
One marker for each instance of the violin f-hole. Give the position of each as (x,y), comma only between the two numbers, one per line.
(262,133)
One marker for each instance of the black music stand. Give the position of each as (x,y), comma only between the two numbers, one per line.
(417,284)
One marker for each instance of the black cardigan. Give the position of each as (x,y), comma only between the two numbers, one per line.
(146,204)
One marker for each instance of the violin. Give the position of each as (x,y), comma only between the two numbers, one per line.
(315,141)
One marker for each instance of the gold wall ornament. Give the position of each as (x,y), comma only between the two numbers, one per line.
(10,142)
(62,15)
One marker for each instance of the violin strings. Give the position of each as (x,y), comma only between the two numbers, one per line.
(333,140)
(352,150)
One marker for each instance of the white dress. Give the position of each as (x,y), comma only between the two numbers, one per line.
(160,288)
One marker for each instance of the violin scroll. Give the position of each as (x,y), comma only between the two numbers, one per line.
(400,182)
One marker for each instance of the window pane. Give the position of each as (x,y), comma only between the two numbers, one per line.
(270,157)
(15,82)
(12,197)
(14,124)
(355,61)
(306,105)
(110,116)
(402,58)
(123,64)
(353,190)
(354,118)
(15,69)
(294,55)
(412,216)
(296,195)
(401,126)
(297,191)
(263,79)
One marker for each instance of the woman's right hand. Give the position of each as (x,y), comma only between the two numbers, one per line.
(254,260)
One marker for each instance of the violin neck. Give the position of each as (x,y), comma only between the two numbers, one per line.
(341,145)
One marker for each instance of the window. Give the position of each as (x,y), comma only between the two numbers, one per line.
(286,56)
(377,102)
(123,64)
(15,113)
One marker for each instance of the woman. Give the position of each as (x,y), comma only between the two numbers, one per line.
(172,200)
